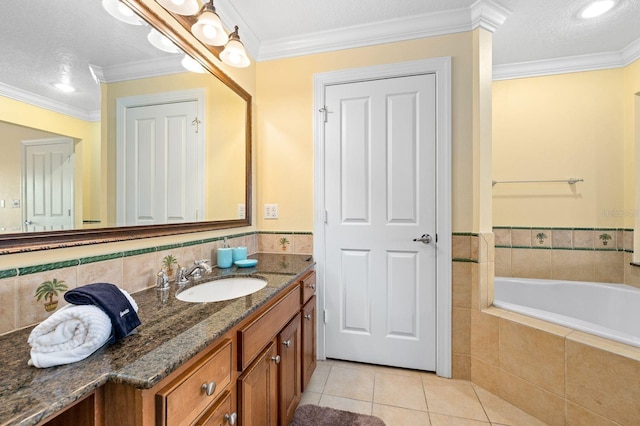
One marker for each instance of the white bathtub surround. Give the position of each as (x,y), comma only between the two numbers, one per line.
(558,374)
(606,310)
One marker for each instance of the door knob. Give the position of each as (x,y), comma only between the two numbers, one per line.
(425,239)
(287,343)
(307,317)
(28,222)
(276,359)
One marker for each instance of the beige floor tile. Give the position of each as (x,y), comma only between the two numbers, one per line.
(353,405)
(444,420)
(502,413)
(456,398)
(354,383)
(398,371)
(401,416)
(310,398)
(351,364)
(399,391)
(319,378)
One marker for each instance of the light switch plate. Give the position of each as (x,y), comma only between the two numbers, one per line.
(242,211)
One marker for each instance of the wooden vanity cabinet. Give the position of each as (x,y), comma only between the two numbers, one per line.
(259,368)
(308,349)
(258,390)
(289,369)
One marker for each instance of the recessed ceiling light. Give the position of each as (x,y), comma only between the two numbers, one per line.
(64,87)
(597,8)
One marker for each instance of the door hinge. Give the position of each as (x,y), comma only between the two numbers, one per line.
(436,238)
(324,316)
(325,216)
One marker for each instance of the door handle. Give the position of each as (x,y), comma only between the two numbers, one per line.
(28,222)
(425,239)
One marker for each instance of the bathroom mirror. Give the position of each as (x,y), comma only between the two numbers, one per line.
(223,124)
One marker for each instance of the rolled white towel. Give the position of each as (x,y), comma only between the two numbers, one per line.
(70,334)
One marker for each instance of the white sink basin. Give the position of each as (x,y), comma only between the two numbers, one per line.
(222,289)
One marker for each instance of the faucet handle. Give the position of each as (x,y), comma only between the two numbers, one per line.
(162,280)
(181,278)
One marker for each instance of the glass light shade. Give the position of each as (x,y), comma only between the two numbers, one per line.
(597,8)
(161,42)
(208,29)
(181,7)
(121,12)
(192,65)
(234,54)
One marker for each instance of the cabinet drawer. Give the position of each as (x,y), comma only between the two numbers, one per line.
(184,399)
(307,287)
(221,413)
(254,337)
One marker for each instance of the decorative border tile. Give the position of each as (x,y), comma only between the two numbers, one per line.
(8,273)
(47,267)
(100,258)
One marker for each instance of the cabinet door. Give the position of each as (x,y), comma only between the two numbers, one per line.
(289,370)
(309,357)
(258,390)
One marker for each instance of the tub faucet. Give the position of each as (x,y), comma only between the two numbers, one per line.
(199,265)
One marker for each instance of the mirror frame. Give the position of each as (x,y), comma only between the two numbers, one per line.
(33,241)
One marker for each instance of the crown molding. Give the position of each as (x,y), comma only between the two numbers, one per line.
(570,64)
(131,71)
(488,15)
(143,69)
(47,103)
(483,13)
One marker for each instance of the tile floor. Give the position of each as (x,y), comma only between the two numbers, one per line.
(408,397)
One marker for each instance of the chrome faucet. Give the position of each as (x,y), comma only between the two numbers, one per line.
(199,265)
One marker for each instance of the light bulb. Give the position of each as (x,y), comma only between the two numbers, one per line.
(597,8)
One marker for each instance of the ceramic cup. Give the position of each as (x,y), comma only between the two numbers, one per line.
(239,253)
(225,257)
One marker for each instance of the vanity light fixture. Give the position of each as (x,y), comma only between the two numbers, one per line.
(121,12)
(234,53)
(181,7)
(161,42)
(208,26)
(192,65)
(597,8)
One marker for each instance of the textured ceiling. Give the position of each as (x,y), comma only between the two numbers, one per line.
(42,41)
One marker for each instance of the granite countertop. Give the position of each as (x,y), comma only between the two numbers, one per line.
(171,333)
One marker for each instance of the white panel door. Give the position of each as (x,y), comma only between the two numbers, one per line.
(380,186)
(160,165)
(48,184)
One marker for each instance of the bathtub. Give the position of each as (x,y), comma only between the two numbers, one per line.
(607,310)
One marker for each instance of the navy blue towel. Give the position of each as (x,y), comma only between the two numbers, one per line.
(112,301)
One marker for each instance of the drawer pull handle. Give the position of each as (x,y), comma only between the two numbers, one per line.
(287,343)
(231,418)
(276,359)
(208,388)
(307,317)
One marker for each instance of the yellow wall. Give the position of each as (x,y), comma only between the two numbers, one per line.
(285,129)
(558,127)
(83,132)
(11,171)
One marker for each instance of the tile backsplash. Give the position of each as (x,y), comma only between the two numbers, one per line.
(133,271)
(574,254)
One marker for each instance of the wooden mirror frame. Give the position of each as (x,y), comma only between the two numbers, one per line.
(32,241)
